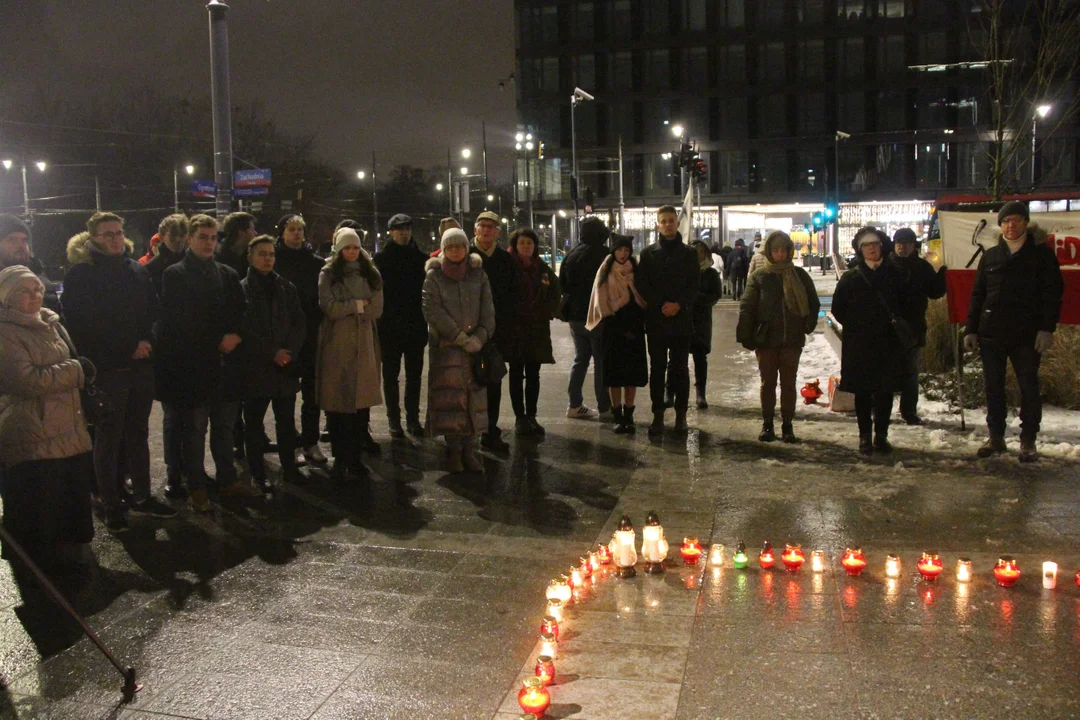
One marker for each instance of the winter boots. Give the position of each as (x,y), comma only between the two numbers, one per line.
(1027,451)
(393,419)
(866,447)
(787,432)
(994,445)
(624,419)
(680,421)
(768,434)
(702,403)
(657,427)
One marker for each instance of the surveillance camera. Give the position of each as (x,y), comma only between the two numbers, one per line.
(582,95)
(840,134)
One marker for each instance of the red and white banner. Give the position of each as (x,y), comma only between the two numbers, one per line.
(966,235)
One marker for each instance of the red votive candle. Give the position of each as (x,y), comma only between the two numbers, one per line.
(604,553)
(1006,572)
(550,625)
(853,561)
(792,557)
(765,557)
(930,566)
(690,550)
(534,698)
(545,670)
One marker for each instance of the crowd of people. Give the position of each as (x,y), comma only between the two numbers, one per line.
(219,323)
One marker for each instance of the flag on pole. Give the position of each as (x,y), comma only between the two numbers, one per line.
(686,223)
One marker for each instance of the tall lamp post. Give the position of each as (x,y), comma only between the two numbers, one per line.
(41,165)
(1040,112)
(189,170)
(524,145)
(222,109)
(840,135)
(578,96)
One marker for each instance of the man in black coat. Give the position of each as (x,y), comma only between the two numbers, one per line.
(274,330)
(1015,307)
(297,262)
(667,277)
(236,232)
(923,284)
(202,312)
(110,307)
(576,276)
(402,328)
(499,267)
(15,250)
(738,264)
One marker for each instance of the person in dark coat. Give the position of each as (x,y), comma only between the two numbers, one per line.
(402,328)
(526,338)
(667,278)
(872,357)
(576,277)
(110,307)
(1014,311)
(709,291)
(724,253)
(297,262)
(738,264)
(237,232)
(778,310)
(500,272)
(617,311)
(274,331)
(15,250)
(923,284)
(202,313)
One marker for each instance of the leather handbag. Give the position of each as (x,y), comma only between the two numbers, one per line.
(901,327)
(488,367)
(96,405)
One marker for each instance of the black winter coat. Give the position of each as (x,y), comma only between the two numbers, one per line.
(500,271)
(709,291)
(738,262)
(301,268)
(576,276)
(165,259)
(923,284)
(273,320)
(763,303)
(668,272)
(526,337)
(402,325)
(1016,295)
(872,358)
(239,263)
(109,307)
(201,302)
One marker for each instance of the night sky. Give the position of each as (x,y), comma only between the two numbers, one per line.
(402,77)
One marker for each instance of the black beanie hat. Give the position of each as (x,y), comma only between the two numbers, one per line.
(594,231)
(618,241)
(905,235)
(1014,207)
(10,224)
(280,227)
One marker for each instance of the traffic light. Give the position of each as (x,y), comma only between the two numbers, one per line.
(590,199)
(699,170)
(819,221)
(687,156)
(540,150)
(832,213)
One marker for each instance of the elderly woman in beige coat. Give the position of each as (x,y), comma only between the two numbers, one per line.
(461,318)
(44,446)
(348,378)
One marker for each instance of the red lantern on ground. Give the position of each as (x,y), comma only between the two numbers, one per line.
(853,561)
(545,670)
(1078,578)
(811,392)
(765,557)
(549,625)
(585,567)
(1007,571)
(930,566)
(534,698)
(792,557)
(691,550)
(604,553)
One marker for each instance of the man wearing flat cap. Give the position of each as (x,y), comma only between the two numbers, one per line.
(499,267)
(1015,307)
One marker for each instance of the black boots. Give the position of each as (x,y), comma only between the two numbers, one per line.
(624,419)
(680,421)
(394,421)
(702,403)
(882,444)
(866,447)
(657,427)
(767,433)
(787,433)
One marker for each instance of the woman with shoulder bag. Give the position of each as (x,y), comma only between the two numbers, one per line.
(461,318)
(779,308)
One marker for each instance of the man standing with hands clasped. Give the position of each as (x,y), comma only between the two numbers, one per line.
(499,268)
(1015,307)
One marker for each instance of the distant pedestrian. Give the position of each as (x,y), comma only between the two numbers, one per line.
(757,257)
(617,312)
(1014,311)
(778,310)
(461,319)
(499,268)
(739,267)
(707,297)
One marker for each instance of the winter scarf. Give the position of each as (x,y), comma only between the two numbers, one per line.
(614,293)
(454,270)
(352,286)
(795,298)
(529,272)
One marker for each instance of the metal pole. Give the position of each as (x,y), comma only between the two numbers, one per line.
(175,192)
(222,108)
(959,375)
(573,169)
(25,193)
(97,194)
(622,203)
(1034,125)
(554,240)
(374,200)
(529,190)
(449,183)
(483,137)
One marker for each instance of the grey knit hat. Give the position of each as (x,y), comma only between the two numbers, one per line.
(1014,207)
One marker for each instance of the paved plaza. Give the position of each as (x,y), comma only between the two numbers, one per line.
(420,594)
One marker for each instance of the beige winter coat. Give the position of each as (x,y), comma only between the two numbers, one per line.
(348,373)
(40,411)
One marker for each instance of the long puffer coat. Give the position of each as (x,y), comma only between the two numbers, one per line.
(871,358)
(41,414)
(349,363)
(707,297)
(456,404)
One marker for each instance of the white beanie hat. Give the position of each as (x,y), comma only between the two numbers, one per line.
(454,236)
(345,237)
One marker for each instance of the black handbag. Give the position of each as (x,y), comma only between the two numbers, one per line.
(900,326)
(488,367)
(96,405)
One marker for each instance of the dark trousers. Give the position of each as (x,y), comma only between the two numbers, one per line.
(309,410)
(346,429)
(124,428)
(494,402)
(172,435)
(909,382)
(1025,362)
(873,410)
(738,285)
(701,368)
(661,351)
(47,503)
(414,373)
(782,362)
(524,388)
(221,417)
(255,436)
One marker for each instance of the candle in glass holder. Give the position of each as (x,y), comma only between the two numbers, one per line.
(622,548)
(1049,575)
(561,588)
(603,554)
(690,550)
(1007,571)
(817,561)
(716,555)
(792,557)
(553,592)
(585,567)
(545,670)
(892,566)
(740,560)
(654,547)
(549,625)
(765,557)
(930,566)
(594,560)
(555,609)
(534,698)
(963,570)
(548,645)
(1078,578)
(853,561)
(575,578)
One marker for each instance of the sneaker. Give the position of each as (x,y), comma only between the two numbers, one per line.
(116,521)
(1027,451)
(493,442)
(994,445)
(152,507)
(581,412)
(314,455)
(200,503)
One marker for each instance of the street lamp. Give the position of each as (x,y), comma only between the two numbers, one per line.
(464,171)
(40,164)
(466,153)
(438,187)
(359,174)
(7,164)
(578,96)
(677,130)
(1041,111)
(491,198)
(190,170)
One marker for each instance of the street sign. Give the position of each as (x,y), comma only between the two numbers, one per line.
(204,189)
(251,178)
(251,191)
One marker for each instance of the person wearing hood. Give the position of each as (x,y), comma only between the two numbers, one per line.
(1014,311)
(110,307)
(577,275)
(500,271)
(708,295)
(15,250)
(778,310)
(923,284)
(872,355)
(527,338)
(739,267)
(668,277)
(402,328)
(45,448)
(617,311)
(461,319)
(349,363)
(297,262)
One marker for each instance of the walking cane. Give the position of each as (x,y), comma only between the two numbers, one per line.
(130,686)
